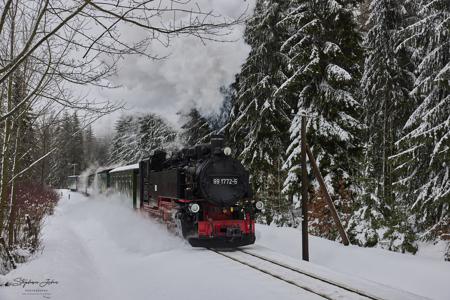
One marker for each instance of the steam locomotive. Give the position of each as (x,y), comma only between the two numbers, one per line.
(201,192)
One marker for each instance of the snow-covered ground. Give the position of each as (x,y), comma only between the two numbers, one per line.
(424,274)
(98,248)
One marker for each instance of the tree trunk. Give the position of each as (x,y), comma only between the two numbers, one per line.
(387,151)
(4,177)
(13,201)
(5,173)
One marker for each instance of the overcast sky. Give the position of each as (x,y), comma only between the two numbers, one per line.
(190,76)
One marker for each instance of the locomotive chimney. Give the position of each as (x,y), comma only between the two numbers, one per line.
(217,144)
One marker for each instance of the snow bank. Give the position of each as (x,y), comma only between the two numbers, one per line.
(424,274)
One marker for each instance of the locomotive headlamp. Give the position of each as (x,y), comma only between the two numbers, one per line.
(259,205)
(227,151)
(194,208)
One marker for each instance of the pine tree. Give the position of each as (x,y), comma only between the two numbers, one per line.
(46,134)
(154,133)
(89,146)
(68,158)
(76,145)
(218,122)
(259,120)
(423,159)
(195,129)
(102,148)
(125,144)
(324,55)
(385,85)
(137,137)
(61,167)
(234,134)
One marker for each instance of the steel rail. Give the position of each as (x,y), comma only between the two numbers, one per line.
(306,288)
(291,282)
(330,282)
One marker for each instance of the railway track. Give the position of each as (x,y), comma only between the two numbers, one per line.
(312,283)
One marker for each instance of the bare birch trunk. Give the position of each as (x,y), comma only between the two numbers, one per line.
(13,202)
(5,165)
(4,177)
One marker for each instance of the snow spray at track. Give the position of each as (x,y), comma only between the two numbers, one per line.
(111,218)
(90,246)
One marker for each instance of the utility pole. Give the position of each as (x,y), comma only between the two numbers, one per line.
(334,213)
(306,152)
(305,247)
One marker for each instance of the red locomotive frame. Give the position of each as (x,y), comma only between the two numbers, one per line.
(213,230)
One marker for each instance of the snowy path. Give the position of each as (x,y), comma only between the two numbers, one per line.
(98,248)
(100,251)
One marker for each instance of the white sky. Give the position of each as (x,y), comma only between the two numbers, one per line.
(190,76)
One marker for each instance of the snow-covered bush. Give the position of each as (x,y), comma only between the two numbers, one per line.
(31,203)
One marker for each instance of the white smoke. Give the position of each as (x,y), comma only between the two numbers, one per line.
(191,76)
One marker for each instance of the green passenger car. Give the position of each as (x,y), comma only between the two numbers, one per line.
(125,180)
(103,180)
(72,182)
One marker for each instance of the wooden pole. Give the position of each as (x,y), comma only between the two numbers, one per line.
(319,178)
(305,251)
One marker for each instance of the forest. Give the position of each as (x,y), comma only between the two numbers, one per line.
(373,81)
(371,77)
(375,89)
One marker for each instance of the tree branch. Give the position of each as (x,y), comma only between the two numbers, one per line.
(41,41)
(4,13)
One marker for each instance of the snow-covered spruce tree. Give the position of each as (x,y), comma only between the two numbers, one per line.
(259,121)
(234,134)
(89,146)
(124,147)
(195,129)
(385,86)
(76,145)
(101,150)
(219,121)
(68,142)
(54,172)
(423,161)
(154,133)
(324,55)
(137,137)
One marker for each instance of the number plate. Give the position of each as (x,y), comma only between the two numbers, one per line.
(234,232)
(225,181)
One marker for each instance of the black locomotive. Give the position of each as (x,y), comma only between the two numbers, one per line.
(203,191)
